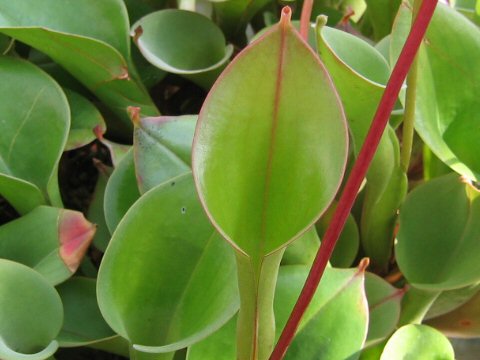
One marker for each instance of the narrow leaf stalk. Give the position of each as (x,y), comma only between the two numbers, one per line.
(256,320)
(357,174)
(410,104)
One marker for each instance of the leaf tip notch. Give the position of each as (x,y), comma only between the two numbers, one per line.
(134,113)
(75,234)
(363,265)
(321,21)
(286,16)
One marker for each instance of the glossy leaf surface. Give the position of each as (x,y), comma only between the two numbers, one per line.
(167,279)
(121,191)
(360,72)
(86,119)
(50,240)
(29,155)
(439,225)
(417,342)
(96,211)
(197,46)
(348,243)
(463,322)
(448,81)
(384,308)
(450,300)
(335,324)
(31,313)
(162,148)
(288,147)
(96,52)
(83,323)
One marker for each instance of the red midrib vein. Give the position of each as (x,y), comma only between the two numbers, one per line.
(284,23)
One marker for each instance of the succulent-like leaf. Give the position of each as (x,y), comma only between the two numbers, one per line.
(462,322)
(162,148)
(86,120)
(438,240)
(83,323)
(450,300)
(360,72)
(417,342)
(50,240)
(31,313)
(335,324)
(268,156)
(348,243)
(167,279)
(448,82)
(196,49)
(384,308)
(96,210)
(121,191)
(96,52)
(34,132)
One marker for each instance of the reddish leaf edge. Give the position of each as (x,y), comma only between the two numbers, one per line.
(357,174)
(285,21)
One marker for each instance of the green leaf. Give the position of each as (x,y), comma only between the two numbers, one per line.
(29,155)
(121,191)
(336,321)
(303,250)
(359,72)
(218,346)
(196,49)
(348,243)
(162,148)
(5,44)
(180,274)
(462,322)
(96,52)
(385,191)
(334,327)
(96,211)
(384,308)
(83,323)
(85,119)
(415,304)
(417,342)
(286,147)
(50,240)
(439,225)
(447,86)
(381,13)
(448,301)
(31,313)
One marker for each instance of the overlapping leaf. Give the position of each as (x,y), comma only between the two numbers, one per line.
(96,52)
(167,279)
(196,49)
(34,132)
(31,313)
(448,82)
(438,240)
(50,240)
(263,147)
(417,342)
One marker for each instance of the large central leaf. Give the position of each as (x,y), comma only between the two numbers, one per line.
(271,143)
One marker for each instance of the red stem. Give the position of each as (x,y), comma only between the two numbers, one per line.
(357,174)
(305,18)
